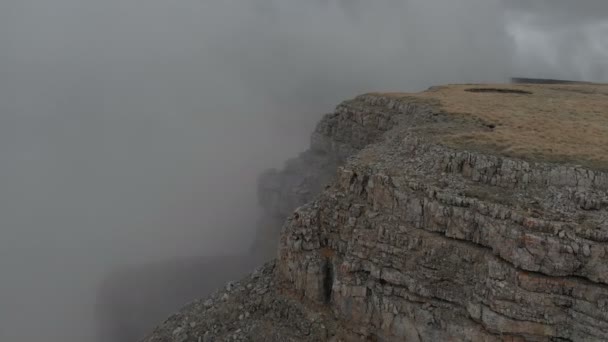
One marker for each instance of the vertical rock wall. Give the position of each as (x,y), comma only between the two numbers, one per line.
(391,236)
(424,243)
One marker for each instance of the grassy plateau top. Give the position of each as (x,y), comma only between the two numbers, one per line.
(562,123)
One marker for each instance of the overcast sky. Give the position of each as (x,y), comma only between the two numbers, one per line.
(133,130)
(559,38)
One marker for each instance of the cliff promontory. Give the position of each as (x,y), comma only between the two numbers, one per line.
(463,213)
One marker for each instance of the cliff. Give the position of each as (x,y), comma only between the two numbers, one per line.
(463,213)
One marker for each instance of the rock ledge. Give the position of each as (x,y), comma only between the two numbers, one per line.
(395,232)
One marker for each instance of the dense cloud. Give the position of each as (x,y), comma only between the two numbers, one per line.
(306,51)
(133,131)
(562,12)
(560,39)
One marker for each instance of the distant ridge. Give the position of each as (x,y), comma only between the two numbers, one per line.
(525,80)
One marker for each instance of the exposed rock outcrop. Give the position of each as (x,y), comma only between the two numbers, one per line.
(420,238)
(354,125)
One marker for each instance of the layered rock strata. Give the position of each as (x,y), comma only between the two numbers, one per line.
(414,239)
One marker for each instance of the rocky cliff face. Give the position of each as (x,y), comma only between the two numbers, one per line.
(413,239)
(354,125)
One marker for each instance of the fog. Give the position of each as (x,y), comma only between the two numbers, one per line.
(560,38)
(132,131)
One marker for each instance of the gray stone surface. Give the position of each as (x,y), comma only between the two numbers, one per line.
(354,125)
(413,241)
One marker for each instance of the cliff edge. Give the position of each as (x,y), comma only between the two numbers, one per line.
(463,213)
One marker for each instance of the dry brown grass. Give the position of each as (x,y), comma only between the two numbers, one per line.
(557,123)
